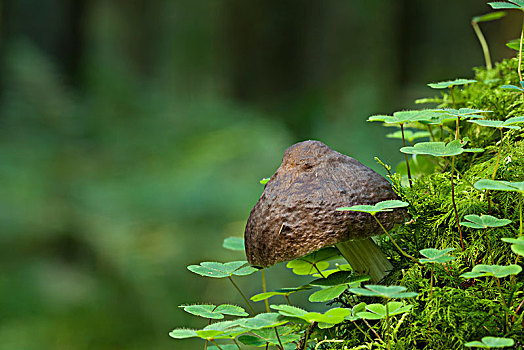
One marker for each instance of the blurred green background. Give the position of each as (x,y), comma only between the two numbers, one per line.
(133,135)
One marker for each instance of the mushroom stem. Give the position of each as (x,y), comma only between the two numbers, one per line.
(365,257)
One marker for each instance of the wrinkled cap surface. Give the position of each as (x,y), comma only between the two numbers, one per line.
(296,214)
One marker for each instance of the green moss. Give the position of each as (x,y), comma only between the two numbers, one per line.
(461,310)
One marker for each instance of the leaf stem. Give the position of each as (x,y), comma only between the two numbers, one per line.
(498,156)
(431,295)
(488,245)
(362,331)
(238,346)
(264,288)
(243,296)
(319,272)
(306,337)
(395,243)
(405,155)
(431,132)
(278,337)
(452,96)
(504,304)
(483,43)
(453,201)
(387,326)
(519,69)
(216,344)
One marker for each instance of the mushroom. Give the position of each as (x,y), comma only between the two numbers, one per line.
(296,214)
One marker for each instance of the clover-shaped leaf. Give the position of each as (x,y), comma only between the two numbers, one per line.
(513,4)
(392,292)
(379,207)
(495,124)
(408,135)
(436,255)
(265,336)
(439,149)
(223,347)
(491,342)
(325,320)
(229,329)
(214,312)
(221,270)
(355,310)
(329,318)
(513,87)
(340,277)
(484,221)
(487,184)
(183,333)
(403,117)
(283,292)
(517,244)
(327,294)
(488,17)
(450,83)
(378,311)
(263,320)
(498,271)
(289,311)
(234,243)
(463,113)
(314,262)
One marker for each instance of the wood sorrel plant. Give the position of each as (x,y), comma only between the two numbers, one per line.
(473,299)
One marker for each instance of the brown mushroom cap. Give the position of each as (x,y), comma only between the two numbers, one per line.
(296,214)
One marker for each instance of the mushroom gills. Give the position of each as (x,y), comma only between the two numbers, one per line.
(365,257)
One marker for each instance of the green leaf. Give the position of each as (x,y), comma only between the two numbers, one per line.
(232,310)
(514,120)
(491,342)
(489,17)
(183,333)
(229,329)
(206,311)
(512,87)
(223,347)
(408,135)
(397,292)
(327,294)
(220,270)
(251,340)
(340,277)
(436,255)
(208,333)
(332,316)
(234,243)
(487,184)
(360,307)
(451,83)
(309,264)
(438,149)
(484,221)
(264,320)
(286,335)
(498,271)
(403,117)
(288,310)
(379,207)
(518,244)
(494,124)
(499,5)
(265,180)
(378,311)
